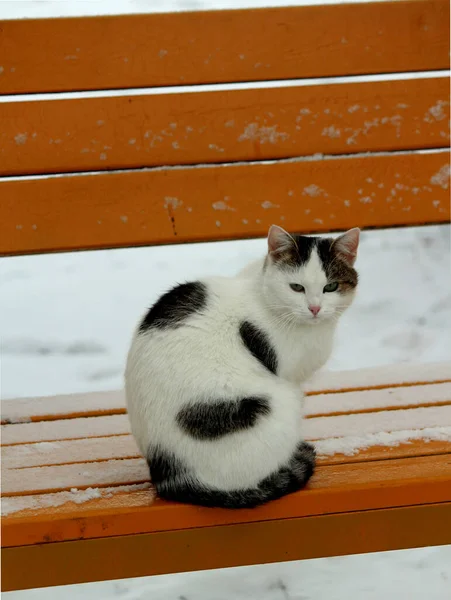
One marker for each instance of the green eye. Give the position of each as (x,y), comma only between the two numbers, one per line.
(331,287)
(297,287)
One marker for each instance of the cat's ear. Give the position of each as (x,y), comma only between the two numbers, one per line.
(346,245)
(279,240)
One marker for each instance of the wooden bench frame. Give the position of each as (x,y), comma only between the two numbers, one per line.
(173,165)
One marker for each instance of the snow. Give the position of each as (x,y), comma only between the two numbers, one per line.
(352,444)
(51,304)
(255,132)
(19,9)
(18,503)
(96,299)
(179,89)
(442,177)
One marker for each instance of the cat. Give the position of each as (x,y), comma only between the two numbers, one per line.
(214,372)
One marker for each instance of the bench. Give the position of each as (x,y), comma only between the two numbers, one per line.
(366,145)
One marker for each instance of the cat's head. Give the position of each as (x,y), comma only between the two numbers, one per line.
(310,279)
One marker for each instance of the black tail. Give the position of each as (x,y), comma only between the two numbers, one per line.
(177,485)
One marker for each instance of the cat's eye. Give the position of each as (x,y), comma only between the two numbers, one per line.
(331,287)
(297,287)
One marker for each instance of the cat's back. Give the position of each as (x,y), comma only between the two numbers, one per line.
(187,345)
(194,322)
(195,306)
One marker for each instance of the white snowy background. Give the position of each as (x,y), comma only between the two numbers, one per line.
(66,321)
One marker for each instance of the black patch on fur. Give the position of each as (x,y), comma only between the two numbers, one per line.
(335,267)
(258,344)
(163,466)
(211,421)
(174,307)
(297,253)
(178,485)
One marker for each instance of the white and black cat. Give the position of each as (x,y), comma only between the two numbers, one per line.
(214,371)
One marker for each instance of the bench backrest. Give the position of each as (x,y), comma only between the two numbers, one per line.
(169,164)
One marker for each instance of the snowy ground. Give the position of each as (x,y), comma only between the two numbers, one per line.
(66,320)
(18,9)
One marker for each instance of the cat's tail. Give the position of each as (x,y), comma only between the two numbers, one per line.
(286,480)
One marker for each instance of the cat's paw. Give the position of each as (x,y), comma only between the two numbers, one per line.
(306,451)
(303,462)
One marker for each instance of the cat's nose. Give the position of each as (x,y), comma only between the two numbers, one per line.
(314,309)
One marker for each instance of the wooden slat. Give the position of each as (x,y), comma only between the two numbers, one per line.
(65,477)
(21,508)
(409,450)
(385,376)
(223,46)
(49,408)
(124,446)
(69,451)
(375,400)
(337,489)
(67,429)
(93,134)
(197,204)
(316,428)
(215,547)
(67,406)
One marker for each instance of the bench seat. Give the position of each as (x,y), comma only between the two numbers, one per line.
(75,489)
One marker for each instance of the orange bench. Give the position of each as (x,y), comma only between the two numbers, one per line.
(173,165)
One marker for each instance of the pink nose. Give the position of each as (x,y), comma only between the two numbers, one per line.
(314,309)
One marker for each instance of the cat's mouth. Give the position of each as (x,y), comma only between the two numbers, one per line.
(316,320)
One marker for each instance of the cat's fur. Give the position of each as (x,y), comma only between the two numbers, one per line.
(214,371)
